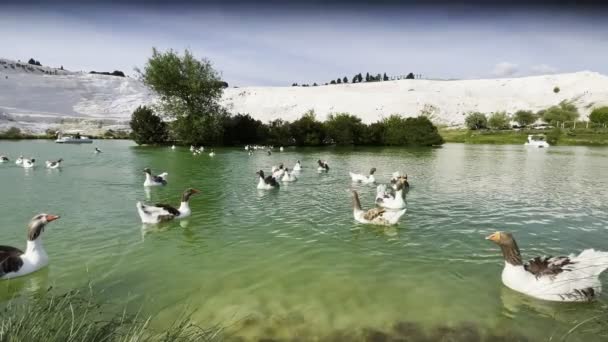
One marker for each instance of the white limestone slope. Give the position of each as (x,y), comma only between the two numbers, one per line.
(36,98)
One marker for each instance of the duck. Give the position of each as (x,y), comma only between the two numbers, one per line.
(323,166)
(573,278)
(192,148)
(281,149)
(97,150)
(153,214)
(278,172)
(392,200)
(16,263)
(3,159)
(152,180)
(19,161)
(398,177)
(289,176)
(376,216)
(359,178)
(54,164)
(173,147)
(28,163)
(266,183)
(212,153)
(298,166)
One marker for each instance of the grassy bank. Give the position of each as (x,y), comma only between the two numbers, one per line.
(568,137)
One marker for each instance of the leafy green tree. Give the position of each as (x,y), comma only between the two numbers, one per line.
(554,135)
(12,133)
(420,131)
(243,129)
(410,76)
(332,82)
(344,129)
(147,127)
(307,131)
(189,91)
(556,90)
(499,120)
(374,133)
(476,120)
(524,117)
(279,133)
(563,112)
(599,115)
(395,129)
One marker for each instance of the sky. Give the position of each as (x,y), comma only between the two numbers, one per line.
(277,43)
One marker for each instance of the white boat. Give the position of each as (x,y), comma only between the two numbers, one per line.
(536,141)
(73,139)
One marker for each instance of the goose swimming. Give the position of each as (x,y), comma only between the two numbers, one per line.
(393,200)
(3,159)
(53,164)
(398,177)
(289,176)
(323,166)
(28,163)
(16,263)
(97,150)
(359,178)
(152,180)
(298,166)
(573,278)
(266,183)
(377,216)
(173,147)
(157,213)
(212,153)
(278,172)
(19,161)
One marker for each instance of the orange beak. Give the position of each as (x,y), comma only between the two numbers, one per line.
(51,218)
(494,237)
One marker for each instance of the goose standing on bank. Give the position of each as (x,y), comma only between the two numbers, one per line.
(298,166)
(266,183)
(19,161)
(323,166)
(152,180)
(3,159)
(359,178)
(97,150)
(289,176)
(574,278)
(158,213)
(377,216)
(54,164)
(28,163)
(15,263)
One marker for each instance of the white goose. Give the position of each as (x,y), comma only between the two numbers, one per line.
(15,263)
(97,150)
(278,172)
(3,159)
(158,213)
(323,166)
(266,183)
(212,153)
(173,147)
(574,278)
(281,149)
(50,164)
(28,163)
(19,161)
(152,180)
(359,178)
(298,166)
(289,176)
(377,216)
(390,200)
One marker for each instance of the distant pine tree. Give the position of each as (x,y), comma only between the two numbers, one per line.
(355,79)
(345,80)
(385,78)
(409,76)
(367,78)
(339,81)
(332,82)
(315,84)
(360,77)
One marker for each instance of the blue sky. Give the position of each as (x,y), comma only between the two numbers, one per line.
(279,45)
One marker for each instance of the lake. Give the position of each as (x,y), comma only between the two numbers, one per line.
(293,262)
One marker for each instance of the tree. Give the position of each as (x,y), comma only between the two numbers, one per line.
(499,120)
(378,78)
(339,81)
(12,133)
(367,77)
(563,112)
(556,90)
(355,79)
(243,129)
(524,117)
(599,115)
(374,133)
(385,78)
(409,76)
(332,82)
(315,84)
(189,92)
(476,120)
(307,131)
(279,133)
(360,78)
(345,80)
(147,127)
(420,131)
(344,129)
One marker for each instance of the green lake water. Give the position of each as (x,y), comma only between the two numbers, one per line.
(293,262)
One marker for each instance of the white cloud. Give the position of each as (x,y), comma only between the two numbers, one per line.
(505,69)
(543,69)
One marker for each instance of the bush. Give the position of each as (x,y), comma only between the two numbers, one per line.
(344,129)
(307,131)
(279,133)
(476,120)
(554,135)
(243,130)
(563,112)
(599,115)
(147,127)
(374,133)
(420,131)
(12,133)
(556,90)
(524,117)
(499,120)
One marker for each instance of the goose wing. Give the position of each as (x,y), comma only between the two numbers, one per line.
(271,181)
(10,259)
(373,213)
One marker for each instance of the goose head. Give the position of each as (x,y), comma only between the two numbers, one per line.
(37,224)
(260,174)
(507,244)
(372,171)
(501,238)
(148,171)
(189,192)
(320,162)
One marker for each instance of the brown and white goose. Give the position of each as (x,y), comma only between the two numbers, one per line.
(573,278)
(377,216)
(16,263)
(160,212)
(54,164)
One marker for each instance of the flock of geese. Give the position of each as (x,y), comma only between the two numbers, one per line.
(572,278)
